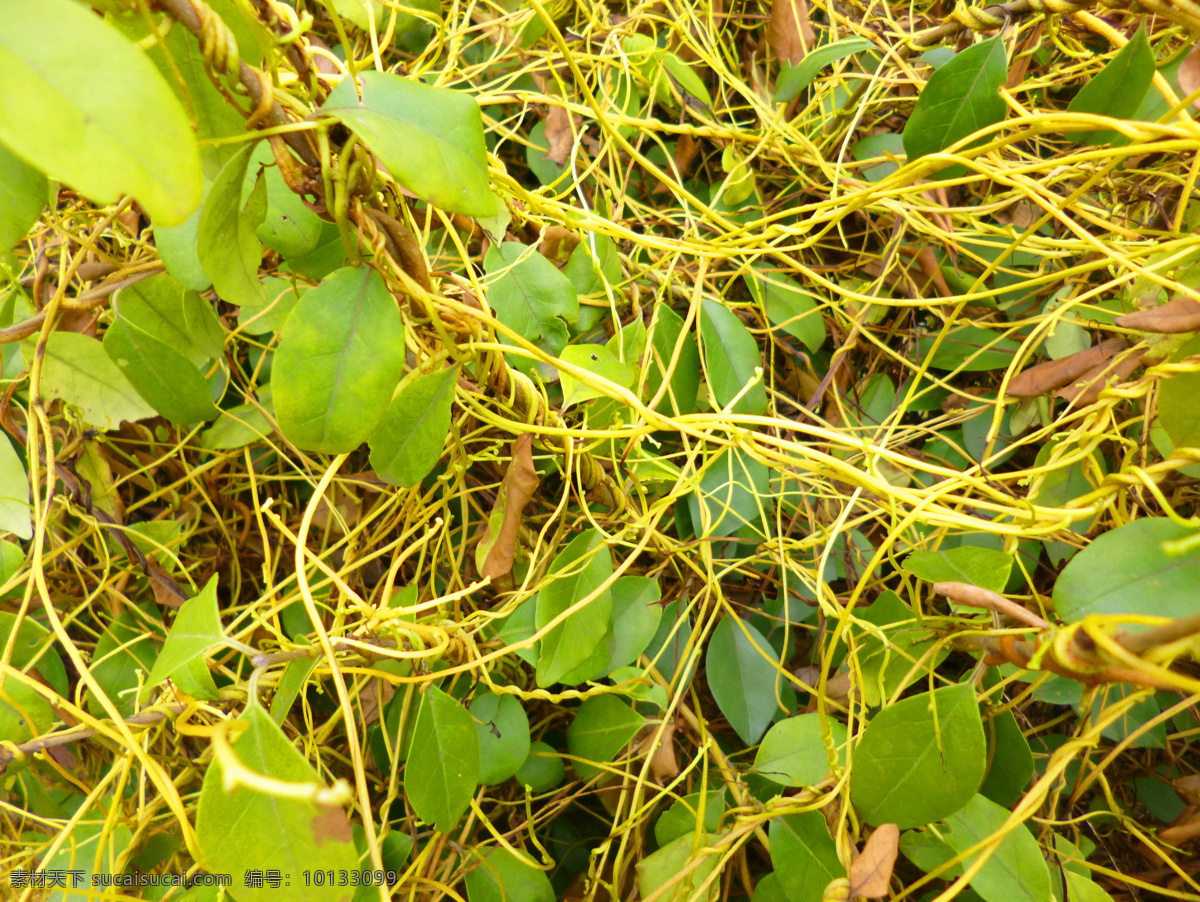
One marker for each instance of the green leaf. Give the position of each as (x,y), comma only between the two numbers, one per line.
(603,726)
(967,348)
(430,139)
(289,687)
(240,426)
(227,242)
(804,855)
(24,712)
(503,730)
(530,296)
(684,377)
(288,226)
(635,618)
(730,358)
(794,79)
(793,751)
(672,859)
(581,268)
(196,630)
(77,371)
(1011,760)
(408,440)
(443,761)
(733,495)
(769,889)
(177,249)
(502,877)
(543,768)
(23,193)
(886,664)
(683,817)
(1126,571)
(176,316)
(577,571)
(787,306)
(163,376)
(281,298)
(245,829)
(983,567)
(340,357)
(1118,89)
(596,359)
(961,98)
(1178,412)
(70,89)
(15,509)
(920,759)
(124,650)
(683,78)
(91,842)
(743,677)
(1016,869)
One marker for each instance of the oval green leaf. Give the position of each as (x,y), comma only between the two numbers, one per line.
(1119,88)
(443,761)
(164,377)
(793,751)
(731,356)
(603,726)
(1015,871)
(743,677)
(77,370)
(408,440)
(577,571)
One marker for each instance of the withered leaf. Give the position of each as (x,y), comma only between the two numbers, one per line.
(560,135)
(1189,75)
(1045,377)
(1178,315)
(331,825)
(871,871)
(557,244)
(789,32)
(1087,389)
(496,548)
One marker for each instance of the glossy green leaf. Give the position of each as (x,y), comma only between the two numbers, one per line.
(743,677)
(123,651)
(1016,870)
(788,306)
(1178,412)
(672,860)
(542,769)
(15,509)
(683,817)
(967,348)
(576,572)
(79,372)
(176,316)
(23,193)
(1118,89)
(246,829)
(227,243)
(804,856)
(163,376)
(598,360)
(684,376)
(602,727)
(503,729)
(794,79)
(635,618)
(1011,761)
(887,664)
(502,877)
(408,441)
(430,139)
(793,751)
(530,296)
(920,759)
(983,567)
(731,357)
(1126,571)
(196,630)
(960,98)
(733,495)
(340,357)
(443,761)
(73,74)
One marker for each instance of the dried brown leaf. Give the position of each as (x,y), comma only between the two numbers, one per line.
(1087,389)
(331,825)
(560,135)
(1045,377)
(977,597)
(871,871)
(496,549)
(557,244)
(1178,315)
(1189,75)
(789,32)
(664,765)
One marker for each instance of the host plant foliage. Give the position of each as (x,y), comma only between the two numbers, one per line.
(526,450)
